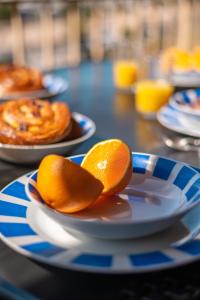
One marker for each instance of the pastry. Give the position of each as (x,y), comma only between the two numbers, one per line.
(34,122)
(18,79)
(180,60)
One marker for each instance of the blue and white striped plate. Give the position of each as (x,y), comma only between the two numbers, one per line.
(53,86)
(179,122)
(29,231)
(183,101)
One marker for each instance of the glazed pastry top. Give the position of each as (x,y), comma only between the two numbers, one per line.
(30,122)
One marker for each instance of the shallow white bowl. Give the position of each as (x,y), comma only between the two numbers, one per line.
(30,154)
(160,193)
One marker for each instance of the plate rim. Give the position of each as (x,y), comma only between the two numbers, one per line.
(184,131)
(95,269)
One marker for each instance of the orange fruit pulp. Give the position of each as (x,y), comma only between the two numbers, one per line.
(110,162)
(65,186)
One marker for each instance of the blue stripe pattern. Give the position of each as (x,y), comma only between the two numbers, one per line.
(16,229)
(163,168)
(12,209)
(43,248)
(82,123)
(197,198)
(94,260)
(193,189)
(150,258)
(78,159)
(197,93)
(16,189)
(140,162)
(34,177)
(196,169)
(184,97)
(183,177)
(192,248)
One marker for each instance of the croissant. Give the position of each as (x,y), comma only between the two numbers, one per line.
(34,122)
(16,79)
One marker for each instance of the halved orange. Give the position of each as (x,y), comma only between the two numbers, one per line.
(110,162)
(66,186)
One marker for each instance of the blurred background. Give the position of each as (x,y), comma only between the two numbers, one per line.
(49,34)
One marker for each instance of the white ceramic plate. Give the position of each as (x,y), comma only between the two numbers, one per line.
(157,196)
(29,154)
(53,85)
(29,231)
(185,79)
(178,122)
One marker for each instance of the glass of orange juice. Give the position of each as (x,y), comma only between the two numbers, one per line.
(151,95)
(125,73)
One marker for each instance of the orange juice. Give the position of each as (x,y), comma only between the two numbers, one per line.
(196,59)
(151,95)
(125,73)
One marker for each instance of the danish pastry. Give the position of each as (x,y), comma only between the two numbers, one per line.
(17,79)
(34,122)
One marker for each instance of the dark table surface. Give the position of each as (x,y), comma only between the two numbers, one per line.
(91,92)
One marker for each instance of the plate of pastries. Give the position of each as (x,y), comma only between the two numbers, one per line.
(21,81)
(32,128)
(181,66)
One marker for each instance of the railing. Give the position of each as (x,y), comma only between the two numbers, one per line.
(52,34)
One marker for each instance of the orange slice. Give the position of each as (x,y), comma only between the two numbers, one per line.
(66,186)
(110,162)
